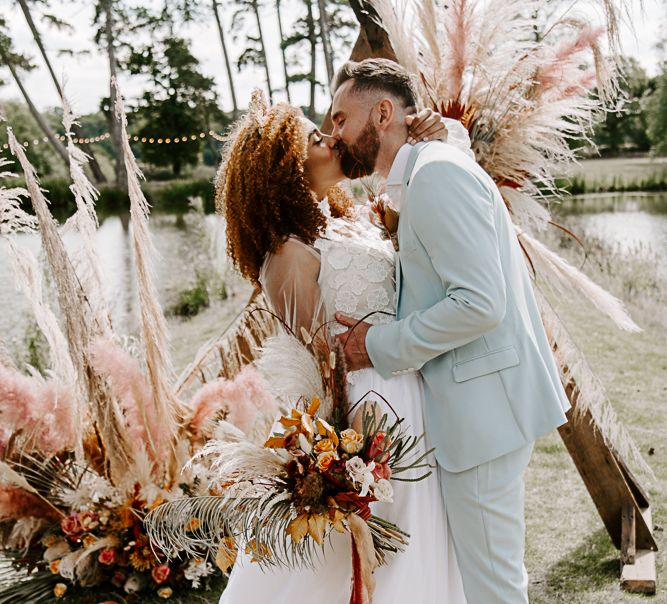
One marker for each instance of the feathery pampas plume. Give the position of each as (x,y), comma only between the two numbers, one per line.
(85,222)
(593,397)
(155,335)
(559,273)
(78,328)
(244,402)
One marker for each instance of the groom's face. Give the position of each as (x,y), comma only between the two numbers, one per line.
(355,130)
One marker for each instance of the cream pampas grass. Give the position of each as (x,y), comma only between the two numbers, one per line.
(560,274)
(86,224)
(78,329)
(574,367)
(155,335)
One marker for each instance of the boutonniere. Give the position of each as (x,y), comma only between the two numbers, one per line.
(382,213)
(384,217)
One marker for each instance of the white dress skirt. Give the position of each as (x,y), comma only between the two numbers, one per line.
(356,277)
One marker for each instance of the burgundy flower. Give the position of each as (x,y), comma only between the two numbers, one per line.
(160,573)
(70,525)
(382,470)
(107,556)
(377,449)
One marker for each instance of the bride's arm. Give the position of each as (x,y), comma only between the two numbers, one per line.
(289,280)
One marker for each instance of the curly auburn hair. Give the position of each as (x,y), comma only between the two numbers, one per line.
(261,188)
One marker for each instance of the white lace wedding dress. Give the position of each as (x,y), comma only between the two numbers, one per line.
(351,271)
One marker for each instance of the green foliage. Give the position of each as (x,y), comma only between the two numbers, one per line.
(180,100)
(657,129)
(625,127)
(25,128)
(193,300)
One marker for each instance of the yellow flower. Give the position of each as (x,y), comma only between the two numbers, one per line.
(326,444)
(165,592)
(53,567)
(88,540)
(324,460)
(59,590)
(351,441)
(226,555)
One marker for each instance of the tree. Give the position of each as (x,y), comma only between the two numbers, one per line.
(94,166)
(110,17)
(283,51)
(626,126)
(255,52)
(200,10)
(16,63)
(180,101)
(657,114)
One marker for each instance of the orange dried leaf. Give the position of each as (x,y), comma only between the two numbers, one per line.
(298,528)
(314,406)
(317,523)
(275,442)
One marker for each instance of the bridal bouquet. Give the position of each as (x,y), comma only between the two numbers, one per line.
(314,474)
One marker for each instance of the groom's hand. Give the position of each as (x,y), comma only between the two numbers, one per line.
(354,342)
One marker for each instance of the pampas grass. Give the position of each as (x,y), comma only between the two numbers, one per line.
(155,335)
(243,401)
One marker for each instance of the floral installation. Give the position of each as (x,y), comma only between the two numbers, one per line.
(315,474)
(98,441)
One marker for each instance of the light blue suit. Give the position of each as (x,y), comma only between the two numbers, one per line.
(468,320)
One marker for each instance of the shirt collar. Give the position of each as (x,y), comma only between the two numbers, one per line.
(394,182)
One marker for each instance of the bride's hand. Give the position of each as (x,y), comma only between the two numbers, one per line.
(427,125)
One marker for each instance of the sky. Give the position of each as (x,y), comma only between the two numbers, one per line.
(87,75)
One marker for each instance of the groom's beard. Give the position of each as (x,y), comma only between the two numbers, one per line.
(358,159)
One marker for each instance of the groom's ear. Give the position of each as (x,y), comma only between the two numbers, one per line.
(386,112)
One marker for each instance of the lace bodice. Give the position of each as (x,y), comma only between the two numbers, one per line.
(356,273)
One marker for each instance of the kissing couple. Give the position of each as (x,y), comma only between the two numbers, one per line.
(453,336)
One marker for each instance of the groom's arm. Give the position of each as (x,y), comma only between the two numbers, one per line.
(451,213)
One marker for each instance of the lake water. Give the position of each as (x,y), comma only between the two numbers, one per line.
(631,221)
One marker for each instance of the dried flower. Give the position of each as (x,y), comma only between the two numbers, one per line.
(107,556)
(383,491)
(165,592)
(361,473)
(382,471)
(377,449)
(59,590)
(133,584)
(351,441)
(53,567)
(89,520)
(70,525)
(326,444)
(325,459)
(160,573)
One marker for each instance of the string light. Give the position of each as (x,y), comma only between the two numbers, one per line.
(135,138)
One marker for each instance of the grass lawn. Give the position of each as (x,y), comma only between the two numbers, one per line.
(570,557)
(602,172)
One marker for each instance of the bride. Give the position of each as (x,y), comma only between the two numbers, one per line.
(292,231)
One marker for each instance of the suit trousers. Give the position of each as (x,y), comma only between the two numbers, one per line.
(485,511)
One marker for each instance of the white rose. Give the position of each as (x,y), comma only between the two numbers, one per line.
(355,465)
(383,491)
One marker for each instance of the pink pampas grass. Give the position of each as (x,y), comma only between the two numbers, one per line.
(135,395)
(38,412)
(240,401)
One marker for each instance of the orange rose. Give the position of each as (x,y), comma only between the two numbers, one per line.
(351,441)
(326,444)
(107,556)
(53,567)
(59,590)
(325,459)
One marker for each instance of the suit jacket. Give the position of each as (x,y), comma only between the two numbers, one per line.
(466,315)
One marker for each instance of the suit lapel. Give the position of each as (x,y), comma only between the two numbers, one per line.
(414,154)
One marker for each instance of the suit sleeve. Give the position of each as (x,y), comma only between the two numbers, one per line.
(452,215)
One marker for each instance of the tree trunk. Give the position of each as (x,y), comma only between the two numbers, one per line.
(282,50)
(326,39)
(121,172)
(94,166)
(41,122)
(313,58)
(255,7)
(228,66)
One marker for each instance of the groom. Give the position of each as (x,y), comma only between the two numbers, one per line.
(466,319)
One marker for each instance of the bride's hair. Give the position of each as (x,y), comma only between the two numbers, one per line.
(261,188)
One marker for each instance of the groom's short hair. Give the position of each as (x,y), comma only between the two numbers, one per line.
(378,75)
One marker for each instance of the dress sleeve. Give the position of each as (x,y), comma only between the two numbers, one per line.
(289,279)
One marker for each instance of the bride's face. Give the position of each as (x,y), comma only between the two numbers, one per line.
(323,169)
